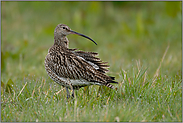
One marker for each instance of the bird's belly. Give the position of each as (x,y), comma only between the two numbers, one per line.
(75,82)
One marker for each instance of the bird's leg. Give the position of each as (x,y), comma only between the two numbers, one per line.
(71,87)
(68,94)
(73,93)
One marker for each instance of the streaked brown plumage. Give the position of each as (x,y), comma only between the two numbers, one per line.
(74,69)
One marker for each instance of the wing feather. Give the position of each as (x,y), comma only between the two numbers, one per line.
(91,58)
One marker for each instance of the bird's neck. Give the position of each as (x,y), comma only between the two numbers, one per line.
(61,41)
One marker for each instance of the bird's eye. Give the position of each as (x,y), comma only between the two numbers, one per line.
(63,27)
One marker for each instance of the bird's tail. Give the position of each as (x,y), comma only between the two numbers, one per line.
(110,86)
(111,81)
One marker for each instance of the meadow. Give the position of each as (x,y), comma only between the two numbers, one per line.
(141,41)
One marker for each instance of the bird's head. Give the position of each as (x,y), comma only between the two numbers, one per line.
(63,30)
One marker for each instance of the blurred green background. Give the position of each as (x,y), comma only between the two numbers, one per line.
(124,31)
(131,36)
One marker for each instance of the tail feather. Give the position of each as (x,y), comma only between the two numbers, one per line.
(111,81)
(112,77)
(110,86)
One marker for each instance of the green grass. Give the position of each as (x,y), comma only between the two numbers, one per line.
(140,40)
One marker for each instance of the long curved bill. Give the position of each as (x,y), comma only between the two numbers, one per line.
(73,32)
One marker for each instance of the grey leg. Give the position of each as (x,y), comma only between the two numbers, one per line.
(70,87)
(72,92)
(68,94)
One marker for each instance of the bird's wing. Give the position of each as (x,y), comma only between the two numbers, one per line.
(91,58)
(69,65)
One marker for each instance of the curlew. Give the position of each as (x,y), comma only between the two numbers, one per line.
(74,69)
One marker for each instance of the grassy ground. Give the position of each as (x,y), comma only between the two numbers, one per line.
(140,40)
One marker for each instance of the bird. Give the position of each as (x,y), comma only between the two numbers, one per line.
(72,68)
